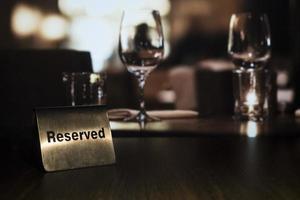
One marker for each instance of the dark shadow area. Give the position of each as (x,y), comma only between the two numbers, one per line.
(33,78)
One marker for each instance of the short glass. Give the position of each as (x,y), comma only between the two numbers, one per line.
(252,90)
(84,88)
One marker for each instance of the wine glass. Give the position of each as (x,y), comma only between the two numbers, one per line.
(249,46)
(141,47)
(249,43)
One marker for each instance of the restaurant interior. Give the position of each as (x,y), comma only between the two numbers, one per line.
(221,86)
(195,37)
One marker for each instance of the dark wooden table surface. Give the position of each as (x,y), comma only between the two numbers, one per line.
(178,159)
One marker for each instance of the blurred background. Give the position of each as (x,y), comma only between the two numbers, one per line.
(195,33)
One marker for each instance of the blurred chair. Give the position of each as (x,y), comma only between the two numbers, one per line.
(121,90)
(32,78)
(206,88)
(214,92)
(182,81)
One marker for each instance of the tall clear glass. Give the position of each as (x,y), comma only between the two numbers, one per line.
(249,45)
(141,48)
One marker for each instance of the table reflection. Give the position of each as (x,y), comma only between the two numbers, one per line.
(251,129)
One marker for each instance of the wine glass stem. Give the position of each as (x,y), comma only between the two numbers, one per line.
(142,80)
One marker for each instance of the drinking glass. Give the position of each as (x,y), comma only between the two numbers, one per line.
(141,47)
(249,46)
(84,88)
(249,43)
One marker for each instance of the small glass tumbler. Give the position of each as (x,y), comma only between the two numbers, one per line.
(84,88)
(252,90)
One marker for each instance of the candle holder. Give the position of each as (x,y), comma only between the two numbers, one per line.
(251,89)
(249,46)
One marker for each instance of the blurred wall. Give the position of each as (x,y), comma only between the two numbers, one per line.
(203,21)
(201,16)
(6,37)
(278,12)
(295,34)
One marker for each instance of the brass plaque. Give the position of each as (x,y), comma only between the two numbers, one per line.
(74,137)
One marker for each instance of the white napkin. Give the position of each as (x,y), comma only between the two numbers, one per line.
(118,114)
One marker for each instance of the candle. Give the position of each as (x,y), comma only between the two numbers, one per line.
(251,101)
(251,90)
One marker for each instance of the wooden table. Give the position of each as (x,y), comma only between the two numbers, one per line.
(176,159)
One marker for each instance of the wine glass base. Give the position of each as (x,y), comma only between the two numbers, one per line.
(142,117)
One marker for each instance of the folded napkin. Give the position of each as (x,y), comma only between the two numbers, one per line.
(118,114)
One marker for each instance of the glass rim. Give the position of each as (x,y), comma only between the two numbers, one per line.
(250,14)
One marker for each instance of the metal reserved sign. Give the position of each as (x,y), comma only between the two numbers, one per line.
(74,137)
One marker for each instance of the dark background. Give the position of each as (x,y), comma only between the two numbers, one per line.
(195,44)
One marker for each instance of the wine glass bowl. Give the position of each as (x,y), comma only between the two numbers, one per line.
(141,48)
(249,43)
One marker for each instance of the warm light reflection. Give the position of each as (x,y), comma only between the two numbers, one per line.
(110,8)
(53,27)
(25,20)
(250,128)
(251,98)
(98,36)
(94,78)
(94,25)
(100,8)
(71,7)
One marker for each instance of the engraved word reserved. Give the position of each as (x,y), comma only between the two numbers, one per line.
(81,135)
